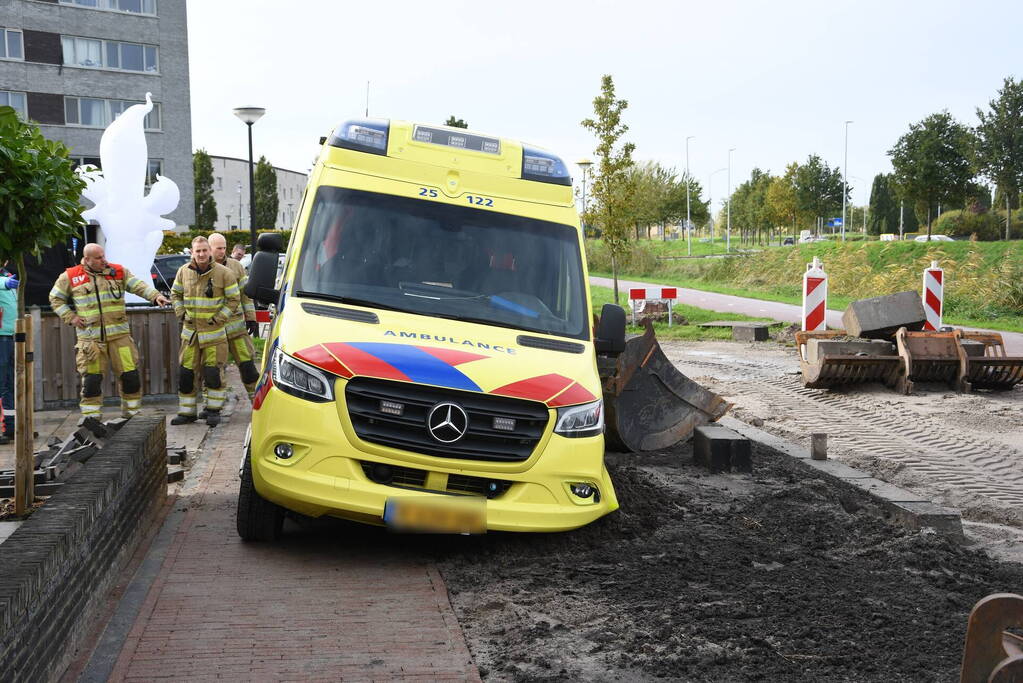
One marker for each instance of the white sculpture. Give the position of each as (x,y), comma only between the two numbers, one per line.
(130,218)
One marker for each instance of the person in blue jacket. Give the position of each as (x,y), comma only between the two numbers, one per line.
(8,315)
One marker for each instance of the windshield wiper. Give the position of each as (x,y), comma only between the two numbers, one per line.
(353,301)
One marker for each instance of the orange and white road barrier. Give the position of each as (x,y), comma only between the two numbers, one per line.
(644,294)
(815,296)
(934,295)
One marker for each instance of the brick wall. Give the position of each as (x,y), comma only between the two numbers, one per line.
(57,568)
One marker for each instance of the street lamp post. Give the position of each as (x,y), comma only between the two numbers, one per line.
(710,200)
(689,232)
(584,164)
(728,229)
(845,177)
(249,115)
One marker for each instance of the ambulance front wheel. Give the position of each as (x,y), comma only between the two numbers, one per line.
(258,518)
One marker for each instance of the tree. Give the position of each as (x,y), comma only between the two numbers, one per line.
(266,195)
(933,163)
(818,188)
(39,193)
(749,206)
(456,123)
(782,205)
(884,206)
(205,204)
(1000,144)
(611,194)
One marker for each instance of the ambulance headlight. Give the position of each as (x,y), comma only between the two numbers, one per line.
(300,379)
(578,421)
(362,135)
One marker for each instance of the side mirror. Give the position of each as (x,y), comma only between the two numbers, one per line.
(610,337)
(262,276)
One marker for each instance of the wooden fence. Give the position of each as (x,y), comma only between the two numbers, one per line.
(155,331)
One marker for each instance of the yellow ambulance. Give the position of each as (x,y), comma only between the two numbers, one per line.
(431,364)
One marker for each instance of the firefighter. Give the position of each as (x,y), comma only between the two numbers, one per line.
(243,323)
(90,296)
(205,296)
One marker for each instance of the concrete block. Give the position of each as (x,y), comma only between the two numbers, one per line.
(175,474)
(720,449)
(881,316)
(925,514)
(816,348)
(750,333)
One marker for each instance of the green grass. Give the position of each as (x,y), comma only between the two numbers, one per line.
(688,332)
(978,274)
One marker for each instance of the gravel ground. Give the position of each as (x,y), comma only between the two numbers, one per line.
(777,576)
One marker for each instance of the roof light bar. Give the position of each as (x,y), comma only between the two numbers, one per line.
(456,138)
(362,135)
(544,167)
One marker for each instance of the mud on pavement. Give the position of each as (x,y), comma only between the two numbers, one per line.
(776,576)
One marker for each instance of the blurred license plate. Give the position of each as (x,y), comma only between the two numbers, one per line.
(440,515)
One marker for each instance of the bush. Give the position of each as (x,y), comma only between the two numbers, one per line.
(176,242)
(964,224)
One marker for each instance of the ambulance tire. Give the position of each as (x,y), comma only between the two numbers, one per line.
(258,518)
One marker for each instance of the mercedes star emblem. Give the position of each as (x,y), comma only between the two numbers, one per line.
(447,422)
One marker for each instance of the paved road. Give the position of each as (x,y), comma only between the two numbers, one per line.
(726,303)
(314,606)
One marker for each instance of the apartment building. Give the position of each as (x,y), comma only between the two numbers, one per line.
(72,66)
(231,193)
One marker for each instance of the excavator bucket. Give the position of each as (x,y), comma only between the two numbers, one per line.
(990,368)
(649,404)
(830,359)
(928,357)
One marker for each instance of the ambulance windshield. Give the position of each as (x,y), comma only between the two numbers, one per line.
(432,258)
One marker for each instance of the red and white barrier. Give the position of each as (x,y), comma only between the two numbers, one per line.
(815,296)
(652,294)
(933,295)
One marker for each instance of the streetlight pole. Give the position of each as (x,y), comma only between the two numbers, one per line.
(845,177)
(249,115)
(689,232)
(584,164)
(728,230)
(710,200)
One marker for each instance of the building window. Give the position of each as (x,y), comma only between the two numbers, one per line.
(155,168)
(130,6)
(220,183)
(109,54)
(12,45)
(90,112)
(16,100)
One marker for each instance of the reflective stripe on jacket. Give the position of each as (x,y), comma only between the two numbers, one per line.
(97,298)
(247,310)
(204,302)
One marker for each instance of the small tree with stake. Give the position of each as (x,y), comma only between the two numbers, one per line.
(39,193)
(612,193)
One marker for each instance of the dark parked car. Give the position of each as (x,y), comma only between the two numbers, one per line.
(165,268)
(788,241)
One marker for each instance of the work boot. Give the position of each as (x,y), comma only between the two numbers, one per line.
(183,419)
(203,414)
(212,418)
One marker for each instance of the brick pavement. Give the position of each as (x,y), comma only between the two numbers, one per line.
(309,607)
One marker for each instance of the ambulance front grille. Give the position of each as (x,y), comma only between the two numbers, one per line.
(408,431)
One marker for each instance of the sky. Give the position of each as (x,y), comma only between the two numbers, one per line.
(775,81)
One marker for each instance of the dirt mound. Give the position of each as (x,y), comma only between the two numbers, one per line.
(779,576)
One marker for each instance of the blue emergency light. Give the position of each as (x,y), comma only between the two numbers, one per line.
(362,135)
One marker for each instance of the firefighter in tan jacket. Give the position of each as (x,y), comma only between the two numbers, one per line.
(205,296)
(243,322)
(90,296)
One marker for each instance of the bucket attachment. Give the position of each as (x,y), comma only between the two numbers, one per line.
(993,653)
(829,359)
(648,403)
(928,357)
(992,369)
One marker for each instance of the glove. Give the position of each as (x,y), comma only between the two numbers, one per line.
(253,327)
(12,283)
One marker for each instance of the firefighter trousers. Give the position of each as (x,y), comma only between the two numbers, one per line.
(202,367)
(243,353)
(93,358)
